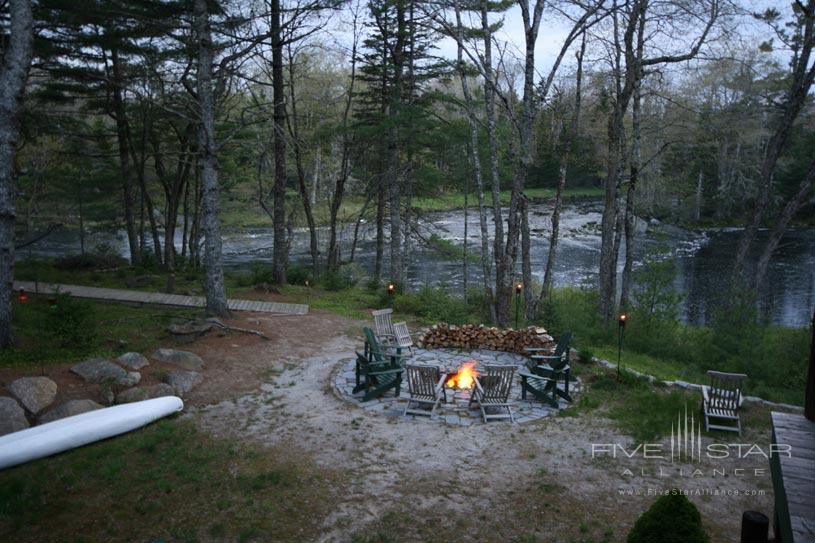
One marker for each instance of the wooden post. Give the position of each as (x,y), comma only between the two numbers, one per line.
(755,527)
(809,402)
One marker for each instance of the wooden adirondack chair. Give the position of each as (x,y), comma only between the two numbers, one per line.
(395,335)
(377,372)
(492,389)
(544,372)
(426,387)
(722,399)
(544,363)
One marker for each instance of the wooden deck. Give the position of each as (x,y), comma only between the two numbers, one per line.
(794,478)
(158,298)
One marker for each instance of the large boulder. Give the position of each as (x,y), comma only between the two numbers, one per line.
(183,359)
(138,394)
(68,409)
(133,361)
(12,416)
(35,393)
(99,370)
(183,381)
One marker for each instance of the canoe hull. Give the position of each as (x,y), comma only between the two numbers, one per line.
(71,432)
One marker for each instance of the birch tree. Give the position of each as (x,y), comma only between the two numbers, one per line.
(14,65)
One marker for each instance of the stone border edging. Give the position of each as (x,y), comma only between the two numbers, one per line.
(689,386)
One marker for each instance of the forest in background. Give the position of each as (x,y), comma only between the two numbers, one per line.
(166,117)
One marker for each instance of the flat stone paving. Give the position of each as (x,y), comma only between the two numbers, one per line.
(456,410)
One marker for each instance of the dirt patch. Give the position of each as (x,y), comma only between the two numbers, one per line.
(234,363)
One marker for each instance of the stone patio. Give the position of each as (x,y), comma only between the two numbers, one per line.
(455,411)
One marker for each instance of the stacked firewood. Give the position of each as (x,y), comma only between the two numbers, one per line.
(471,336)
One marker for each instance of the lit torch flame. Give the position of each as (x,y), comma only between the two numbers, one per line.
(464,377)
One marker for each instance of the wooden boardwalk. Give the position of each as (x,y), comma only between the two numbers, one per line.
(158,298)
(794,478)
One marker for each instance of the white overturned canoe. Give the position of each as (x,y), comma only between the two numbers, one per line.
(71,432)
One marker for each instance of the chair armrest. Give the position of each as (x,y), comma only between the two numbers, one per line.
(537,349)
(545,358)
(440,384)
(385,372)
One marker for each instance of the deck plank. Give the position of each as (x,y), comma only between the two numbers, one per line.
(158,298)
(794,477)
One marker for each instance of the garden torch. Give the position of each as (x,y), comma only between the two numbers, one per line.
(518,288)
(620,333)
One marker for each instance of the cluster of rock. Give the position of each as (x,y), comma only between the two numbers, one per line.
(30,396)
(472,336)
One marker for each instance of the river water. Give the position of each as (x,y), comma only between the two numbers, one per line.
(704,258)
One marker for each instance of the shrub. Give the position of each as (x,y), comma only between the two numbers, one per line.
(342,279)
(434,304)
(297,274)
(71,322)
(261,272)
(671,519)
(89,261)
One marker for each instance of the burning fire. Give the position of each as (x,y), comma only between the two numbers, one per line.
(464,377)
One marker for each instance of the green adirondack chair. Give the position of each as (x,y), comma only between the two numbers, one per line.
(376,371)
(544,372)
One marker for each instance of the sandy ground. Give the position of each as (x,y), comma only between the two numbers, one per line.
(278,392)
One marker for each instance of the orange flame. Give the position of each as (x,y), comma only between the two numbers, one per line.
(464,377)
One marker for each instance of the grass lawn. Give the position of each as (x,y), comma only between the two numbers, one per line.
(661,369)
(107,329)
(165,482)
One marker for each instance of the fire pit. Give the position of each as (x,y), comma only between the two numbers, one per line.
(460,368)
(460,382)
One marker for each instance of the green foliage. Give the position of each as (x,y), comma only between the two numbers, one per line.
(671,519)
(342,279)
(435,305)
(297,274)
(70,322)
(90,261)
(654,312)
(774,357)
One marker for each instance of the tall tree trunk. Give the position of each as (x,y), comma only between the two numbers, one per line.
(629,223)
(566,150)
(145,194)
(625,82)
(279,252)
(792,207)
(214,287)
(293,124)
(531,21)
(634,168)
(393,177)
(380,226)
(475,160)
(14,66)
(122,129)
(530,308)
(802,79)
(492,158)
(345,162)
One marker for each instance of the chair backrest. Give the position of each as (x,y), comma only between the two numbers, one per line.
(562,351)
(422,380)
(382,321)
(372,345)
(725,389)
(496,381)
